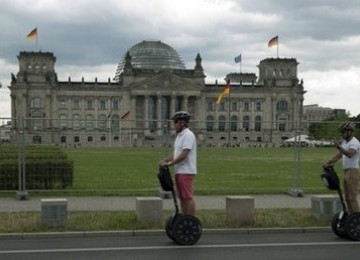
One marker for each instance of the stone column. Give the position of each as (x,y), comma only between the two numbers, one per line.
(146,111)
(185,105)
(158,114)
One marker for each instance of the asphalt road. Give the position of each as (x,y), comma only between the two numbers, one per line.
(275,245)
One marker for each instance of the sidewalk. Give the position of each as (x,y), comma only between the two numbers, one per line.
(129,203)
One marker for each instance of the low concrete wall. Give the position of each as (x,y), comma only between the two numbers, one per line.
(149,209)
(240,209)
(325,206)
(54,212)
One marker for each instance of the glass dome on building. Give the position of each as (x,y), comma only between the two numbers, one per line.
(154,55)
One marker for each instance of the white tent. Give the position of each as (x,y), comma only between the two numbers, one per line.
(305,141)
(299,138)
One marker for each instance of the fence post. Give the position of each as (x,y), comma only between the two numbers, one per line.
(296,191)
(21,194)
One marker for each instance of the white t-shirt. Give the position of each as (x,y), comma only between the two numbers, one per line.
(185,140)
(352,162)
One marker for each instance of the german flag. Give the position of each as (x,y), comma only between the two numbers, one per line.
(226,91)
(33,34)
(274,41)
(126,115)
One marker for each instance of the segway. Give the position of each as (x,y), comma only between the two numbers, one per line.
(180,228)
(343,224)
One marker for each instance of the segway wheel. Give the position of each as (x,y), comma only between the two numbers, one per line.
(187,230)
(338,224)
(169,227)
(352,226)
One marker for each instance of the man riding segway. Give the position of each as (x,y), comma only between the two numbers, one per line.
(183,228)
(345,223)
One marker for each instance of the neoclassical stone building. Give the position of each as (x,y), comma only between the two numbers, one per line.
(150,84)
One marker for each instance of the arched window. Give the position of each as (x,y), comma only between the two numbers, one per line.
(115,126)
(102,122)
(63,121)
(37,121)
(246,123)
(209,123)
(90,123)
(282,106)
(222,121)
(258,123)
(76,122)
(35,102)
(234,123)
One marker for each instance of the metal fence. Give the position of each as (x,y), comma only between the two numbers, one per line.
(26,133)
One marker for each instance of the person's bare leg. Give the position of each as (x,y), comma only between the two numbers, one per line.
(188,207)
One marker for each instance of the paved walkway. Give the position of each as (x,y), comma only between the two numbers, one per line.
(129,203)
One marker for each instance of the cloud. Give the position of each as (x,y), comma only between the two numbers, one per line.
(88,37)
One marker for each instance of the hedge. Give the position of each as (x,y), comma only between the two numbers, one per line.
(45,168)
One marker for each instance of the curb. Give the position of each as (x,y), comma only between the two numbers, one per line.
(132,233)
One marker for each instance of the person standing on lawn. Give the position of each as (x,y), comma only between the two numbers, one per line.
(348,151)
(184,160)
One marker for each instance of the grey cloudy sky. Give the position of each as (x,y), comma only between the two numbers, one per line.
(88,37)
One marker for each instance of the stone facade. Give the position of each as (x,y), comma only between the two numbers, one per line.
(135,109)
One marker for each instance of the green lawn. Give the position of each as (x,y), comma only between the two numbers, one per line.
(132,171)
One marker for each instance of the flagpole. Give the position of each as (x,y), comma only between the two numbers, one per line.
(229,115)
(277,45)
(37,38)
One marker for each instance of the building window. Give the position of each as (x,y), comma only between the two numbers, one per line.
(258,123)
(209,123)
(35,102)
(234,123)
(246,123)
(115,104)
(89,104)
(222,106)
(37,139)
(63,139)
(102,122)
(282,106)
(258,106)
(246,106)
(103,138)
(76,104)
(76,139)
(115,123)
(102,104)
(90,138)
(76,122)
(222,122)
(62,102)
(210,106)
(234,106)
(282,124)
(63,121)
(37,121)
(90,123)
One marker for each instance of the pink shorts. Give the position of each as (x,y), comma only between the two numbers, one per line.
(184,186)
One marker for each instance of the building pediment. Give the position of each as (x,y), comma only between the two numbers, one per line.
(165,81)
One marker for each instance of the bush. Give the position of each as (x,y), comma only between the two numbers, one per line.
(45,168)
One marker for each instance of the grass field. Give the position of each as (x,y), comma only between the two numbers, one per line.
(132,171)
(27,222)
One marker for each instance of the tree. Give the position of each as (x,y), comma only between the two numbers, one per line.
(327,129)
